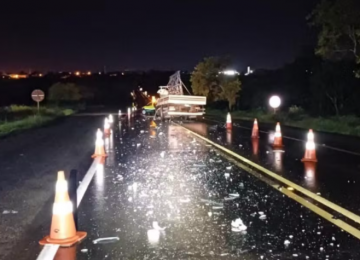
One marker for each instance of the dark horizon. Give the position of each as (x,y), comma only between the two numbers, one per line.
(140,35)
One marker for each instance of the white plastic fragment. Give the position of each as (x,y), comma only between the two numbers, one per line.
(286,242)
(153,236)
(156,226)
(162,154)
(262,217)
(228,168)
(237,225)
(9,212)
(84,250)
(106,240)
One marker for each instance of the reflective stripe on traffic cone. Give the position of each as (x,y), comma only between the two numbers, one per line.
(277,138)
(228,121)
(107,127)
(99,145)
(63,231)
(310,152)
(255,130)
(111,119)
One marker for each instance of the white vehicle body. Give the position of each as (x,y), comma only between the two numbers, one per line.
(173,103)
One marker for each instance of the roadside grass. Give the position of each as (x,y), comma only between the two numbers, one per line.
(17,118)
(346,125)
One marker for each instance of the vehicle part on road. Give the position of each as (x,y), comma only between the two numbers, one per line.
(310,152)
(228,121)
(63,231)
(255,130)
(107,127)
(173,103)
(278,144)
(99,145)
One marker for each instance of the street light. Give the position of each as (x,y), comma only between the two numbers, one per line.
(230,72)
(275,102)
(153,100)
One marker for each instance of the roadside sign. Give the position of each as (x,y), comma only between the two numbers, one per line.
(38,95)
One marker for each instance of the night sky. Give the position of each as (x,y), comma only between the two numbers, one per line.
(86,35)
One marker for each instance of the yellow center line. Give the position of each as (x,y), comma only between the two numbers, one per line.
(319,211)
(306,192)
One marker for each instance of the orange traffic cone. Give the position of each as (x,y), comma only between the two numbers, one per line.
(68,253)
(310,152)
(152,124)
(278,138)
(63,231)
(99,145)
(228,121)
(255,130)
(255,146)
(107,127)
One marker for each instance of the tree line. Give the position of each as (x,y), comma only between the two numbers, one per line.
(323,80)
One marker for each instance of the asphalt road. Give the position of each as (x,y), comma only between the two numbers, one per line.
(335,177)
(163,178)
(29,162)
(165,195)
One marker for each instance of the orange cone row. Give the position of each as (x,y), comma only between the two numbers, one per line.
(310,151)
(63,230)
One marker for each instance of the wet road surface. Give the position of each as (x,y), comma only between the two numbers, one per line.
(28,165)
(165,195)
(336,176)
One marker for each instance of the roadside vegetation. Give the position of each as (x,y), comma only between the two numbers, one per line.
(319,89)
(16,118)
(347,125)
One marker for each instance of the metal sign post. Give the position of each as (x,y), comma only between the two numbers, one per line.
(38,95)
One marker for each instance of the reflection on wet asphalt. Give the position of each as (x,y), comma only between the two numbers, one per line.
(165,195)
(335,176)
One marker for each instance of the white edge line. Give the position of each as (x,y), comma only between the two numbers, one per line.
(49,251)
(80,192)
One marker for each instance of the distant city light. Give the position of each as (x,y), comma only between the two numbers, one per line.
(18,76)
(77,73)
(89,73)
(153,99)
(230,72)
(275,102)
